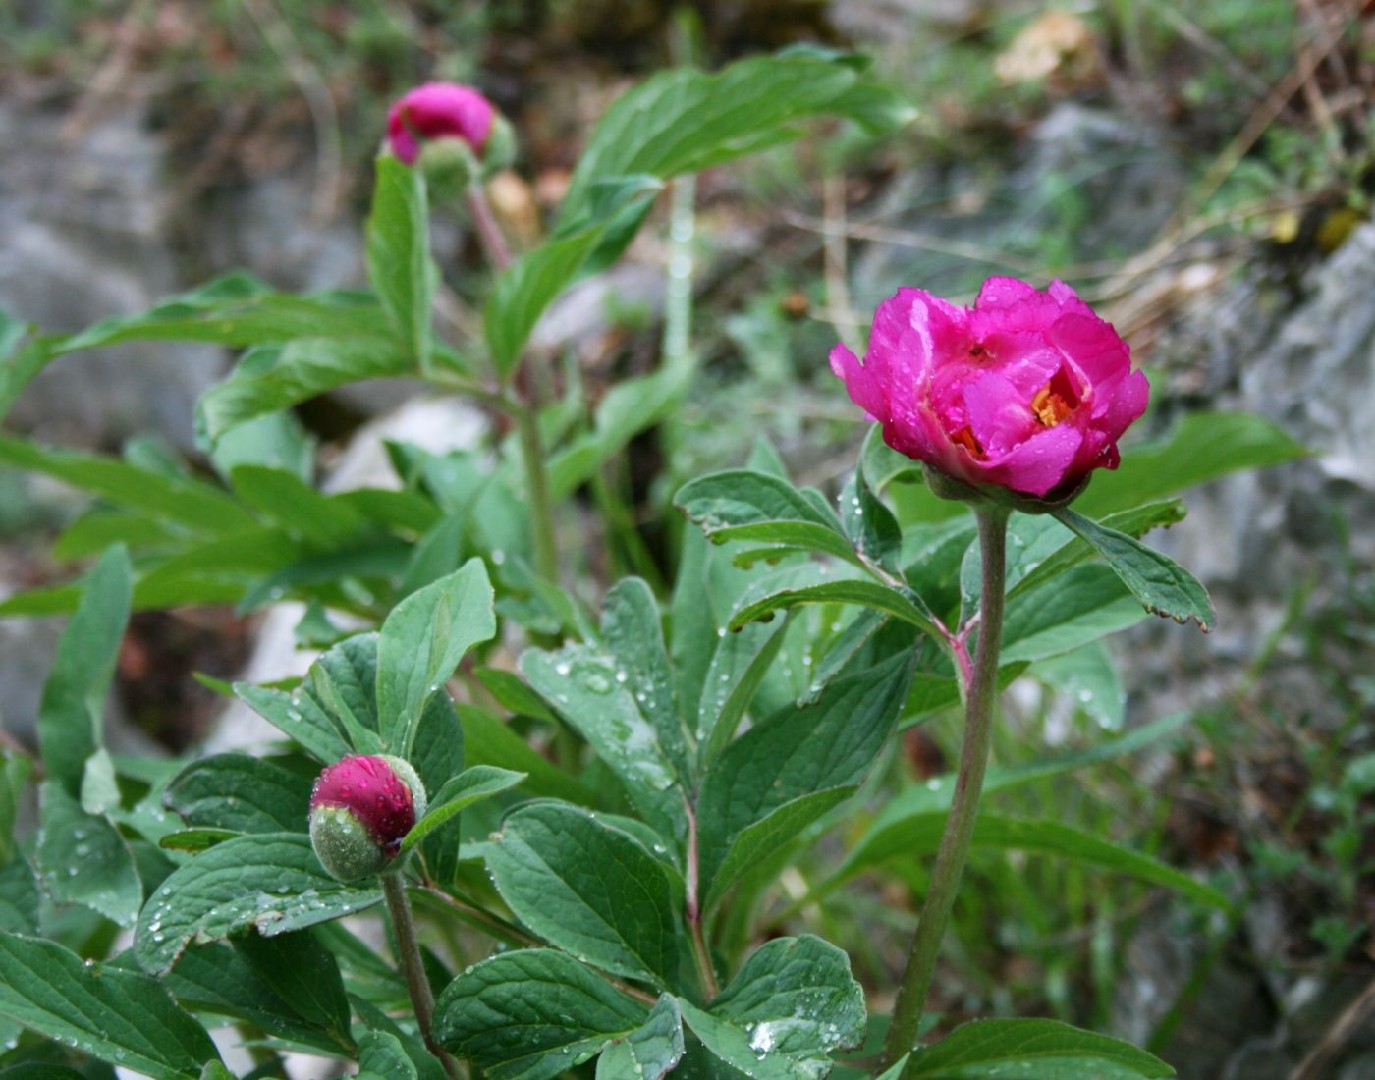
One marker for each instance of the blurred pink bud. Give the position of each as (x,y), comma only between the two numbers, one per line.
(438,110)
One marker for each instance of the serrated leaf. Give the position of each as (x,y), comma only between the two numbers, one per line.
(272,882)
(398,254)
(73,703)
(239,792)
(478,783)
(800,750)
(532,1014)
(82,859)
(421,643)
(1161,585)
(112,1013)
(796,996)
(650,1051)
(582,684)
(1032,1050)
(588,888)
(776,830)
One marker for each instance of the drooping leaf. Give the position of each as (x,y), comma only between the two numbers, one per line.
(532,1014)
(1161,585)
(111,1013)
(589,888)
(1032,1050)
(270,881)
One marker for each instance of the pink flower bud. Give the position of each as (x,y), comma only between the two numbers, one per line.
(1026,391)
(438,110)
(361,808)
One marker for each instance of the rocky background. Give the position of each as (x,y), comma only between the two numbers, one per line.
(1054,141)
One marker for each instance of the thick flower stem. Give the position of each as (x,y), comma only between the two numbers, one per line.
(980,694)
(408,950)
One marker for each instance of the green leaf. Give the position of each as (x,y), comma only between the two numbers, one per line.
(18,898)
(634,636)
(526,288)
(741,504)
(732,1045)
(861,591)
(775,831)
(1031,1050)
(398,252)
(304,368)
(738,666)
(73,702)
(1202,447)
(589,888)
(532,1014)
(870,525)
(491,742)
(111,1013)
(196,505)
(421,643)
(796,996)
(298,716)
(239,311)
(685,120)
(650,1051)
(583,685)
(1162,585)
(217,978)
(478,783)
(301,970)
(382,1057)
(239,792)
(629,407)
(887,836)
(272,882)
(1067,612)
(82,859)
(21,367)
(325,523)
(829,743)
(1089,678)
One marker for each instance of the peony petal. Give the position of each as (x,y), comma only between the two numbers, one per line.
(998,415)
(1040,464)
(1093,346)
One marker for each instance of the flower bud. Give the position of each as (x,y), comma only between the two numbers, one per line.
(361,808)
(439,110)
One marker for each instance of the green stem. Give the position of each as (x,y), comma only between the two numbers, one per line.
(959,829)
(701,952)
(408,952)
(537,492)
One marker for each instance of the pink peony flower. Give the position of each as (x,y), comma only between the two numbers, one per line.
(361,808)
(437,110)
(1026,390)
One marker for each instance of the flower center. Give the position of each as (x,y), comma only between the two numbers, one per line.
(1056,400)
(965,437)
